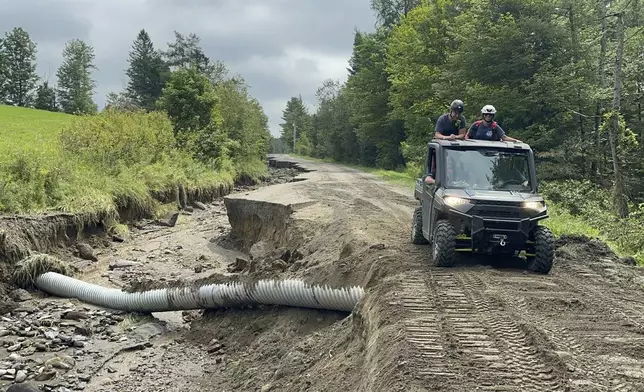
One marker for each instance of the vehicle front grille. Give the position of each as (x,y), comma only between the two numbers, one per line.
(486,211)
(501,225)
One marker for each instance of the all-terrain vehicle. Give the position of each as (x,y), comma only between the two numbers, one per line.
(484,199)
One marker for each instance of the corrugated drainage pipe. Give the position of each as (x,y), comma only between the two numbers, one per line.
(288,292)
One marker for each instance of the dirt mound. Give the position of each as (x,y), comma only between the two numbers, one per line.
(574,248)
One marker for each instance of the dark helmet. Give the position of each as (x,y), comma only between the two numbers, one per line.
(457,106)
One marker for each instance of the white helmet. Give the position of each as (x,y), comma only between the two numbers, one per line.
(488,109)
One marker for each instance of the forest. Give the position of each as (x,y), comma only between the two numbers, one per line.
(566,77)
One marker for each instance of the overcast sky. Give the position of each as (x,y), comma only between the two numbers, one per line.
(281,47)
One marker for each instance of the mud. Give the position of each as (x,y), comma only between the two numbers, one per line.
(482,325)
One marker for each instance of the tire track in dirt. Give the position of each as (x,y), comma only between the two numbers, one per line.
(519,341)
(464,341)
(572,334)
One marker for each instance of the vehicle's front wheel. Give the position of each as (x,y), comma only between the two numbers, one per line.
(417,236)
(444,244)
(544,251)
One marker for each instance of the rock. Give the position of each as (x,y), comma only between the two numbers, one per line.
(121,264)
(147,331)
(21,376)
(28,351)
(377,246)
(15,357)
(45,375)
(73,315)
(20,295)
(117,238)
(198,269)
(86,252)
(64,362)
(22,388)
(170,220)
(5,332)
(84,377)
(15,347)
(629,260)
(25,309)
(41,347)
(238,265)
(199,205)
(260,249)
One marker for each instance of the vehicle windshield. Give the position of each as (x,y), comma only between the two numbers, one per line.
(487,169)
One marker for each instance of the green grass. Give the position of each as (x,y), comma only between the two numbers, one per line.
(94,166)
(24,126)
(560,221)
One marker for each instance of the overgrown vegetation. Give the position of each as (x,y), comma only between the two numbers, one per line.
(565,76)
(181,120)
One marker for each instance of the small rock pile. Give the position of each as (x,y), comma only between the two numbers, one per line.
(44,340)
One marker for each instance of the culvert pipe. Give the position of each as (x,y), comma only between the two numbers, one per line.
(289,292)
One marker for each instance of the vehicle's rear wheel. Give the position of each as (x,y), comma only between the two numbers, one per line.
(417,236)
(444,244)
(544,251)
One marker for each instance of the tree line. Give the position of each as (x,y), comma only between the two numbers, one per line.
(212,112)
(566,76)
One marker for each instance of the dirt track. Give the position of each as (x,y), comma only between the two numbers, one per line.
(472,327)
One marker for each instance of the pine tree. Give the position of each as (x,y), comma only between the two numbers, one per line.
(148,72)
(75,85)
(20,67)
(46,98)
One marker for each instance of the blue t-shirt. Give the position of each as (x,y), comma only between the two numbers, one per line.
(485,132)
(446,126)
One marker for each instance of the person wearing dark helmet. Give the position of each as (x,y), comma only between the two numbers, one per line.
(451,125)
(487,128)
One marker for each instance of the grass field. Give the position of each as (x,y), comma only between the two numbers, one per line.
(93,166)
(24,127)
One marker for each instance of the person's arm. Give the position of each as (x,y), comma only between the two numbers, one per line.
(507,138)
(462,133)
(440,127)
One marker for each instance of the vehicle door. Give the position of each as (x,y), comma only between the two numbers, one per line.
(427,199)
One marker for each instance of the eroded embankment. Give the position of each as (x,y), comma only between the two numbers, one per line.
(66,235)
(288,232)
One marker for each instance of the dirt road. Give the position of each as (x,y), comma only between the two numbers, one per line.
(482,325)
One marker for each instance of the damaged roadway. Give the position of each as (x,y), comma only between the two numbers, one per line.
(477,326)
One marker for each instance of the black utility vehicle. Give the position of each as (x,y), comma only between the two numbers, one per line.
(484,200)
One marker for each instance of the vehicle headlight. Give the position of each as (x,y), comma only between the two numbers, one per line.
(533,205)
(455,201)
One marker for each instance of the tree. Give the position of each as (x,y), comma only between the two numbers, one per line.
(389,12)
(75,84)
(189,99)
(147,72)
(296,119)
(20,67)
(121,102)
(186,52)
(46,98)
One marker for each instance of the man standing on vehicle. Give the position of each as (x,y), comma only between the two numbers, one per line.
(451,125)
(487,128)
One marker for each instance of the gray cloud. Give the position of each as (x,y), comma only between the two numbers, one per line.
(281,47)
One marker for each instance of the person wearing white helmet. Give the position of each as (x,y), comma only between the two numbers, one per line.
(451,125)
(487,128)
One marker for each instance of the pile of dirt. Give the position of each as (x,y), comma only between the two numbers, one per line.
(575,248)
